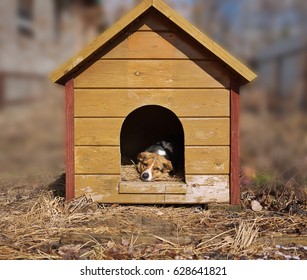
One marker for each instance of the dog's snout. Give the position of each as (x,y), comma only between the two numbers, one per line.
(145,176)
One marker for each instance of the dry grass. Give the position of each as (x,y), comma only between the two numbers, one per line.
(37,225)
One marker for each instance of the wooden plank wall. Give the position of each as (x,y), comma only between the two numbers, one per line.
(153,65)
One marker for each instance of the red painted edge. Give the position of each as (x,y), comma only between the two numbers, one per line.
(69,140)
(234,141)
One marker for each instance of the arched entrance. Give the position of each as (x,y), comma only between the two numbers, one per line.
(147,125)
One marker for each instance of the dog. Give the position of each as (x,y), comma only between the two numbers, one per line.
(155,161)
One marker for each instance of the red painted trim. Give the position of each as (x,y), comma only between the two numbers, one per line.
(69,140)
(234,142)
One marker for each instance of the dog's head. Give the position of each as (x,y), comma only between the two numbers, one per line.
(152,166)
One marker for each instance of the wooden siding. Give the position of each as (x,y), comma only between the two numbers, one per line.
(121,102)
(153,74)
(157,45)
(106,131)
(206,131)
(153,68)
(98,131)
(207,160)
(97,160)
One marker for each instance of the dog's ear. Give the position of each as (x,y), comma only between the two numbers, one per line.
(167,165)
(142,156)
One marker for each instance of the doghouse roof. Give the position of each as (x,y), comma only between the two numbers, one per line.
(69,69)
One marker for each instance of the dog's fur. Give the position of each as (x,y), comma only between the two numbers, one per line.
(155,161)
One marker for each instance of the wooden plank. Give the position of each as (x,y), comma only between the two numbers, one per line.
(235,143)
(153,74)
(69,140)
(98,131)
(120,103)
(97,186)
(152,187)
(206,131)
(210,181)
(96,160)
(203,189)
(106,131)
(207,160)
(157,45)
(104,189)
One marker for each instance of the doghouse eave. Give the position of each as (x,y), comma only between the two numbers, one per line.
(70,69)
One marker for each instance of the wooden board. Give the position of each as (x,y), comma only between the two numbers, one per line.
(183,102)
(203,189)
(106,131)
(152,188)
(104,188)
(207,160)
(153,74)
(206,131)
(157,45)
(98,131)
(97,160)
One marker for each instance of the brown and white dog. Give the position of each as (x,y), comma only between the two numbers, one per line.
(155,161)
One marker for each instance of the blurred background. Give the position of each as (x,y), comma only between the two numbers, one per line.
(269,36)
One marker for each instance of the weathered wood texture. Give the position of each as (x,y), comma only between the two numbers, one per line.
(97,160)
(98,131)
(152,188)
(69,140)
(153,74)
(207,160)
(106,131)
(206,131)
(121,102)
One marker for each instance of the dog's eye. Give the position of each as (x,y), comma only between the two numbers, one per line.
(145,164)
(157,169)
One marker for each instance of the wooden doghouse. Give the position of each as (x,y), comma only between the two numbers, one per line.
(153,76)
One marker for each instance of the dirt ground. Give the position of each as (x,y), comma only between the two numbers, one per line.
(36,222)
